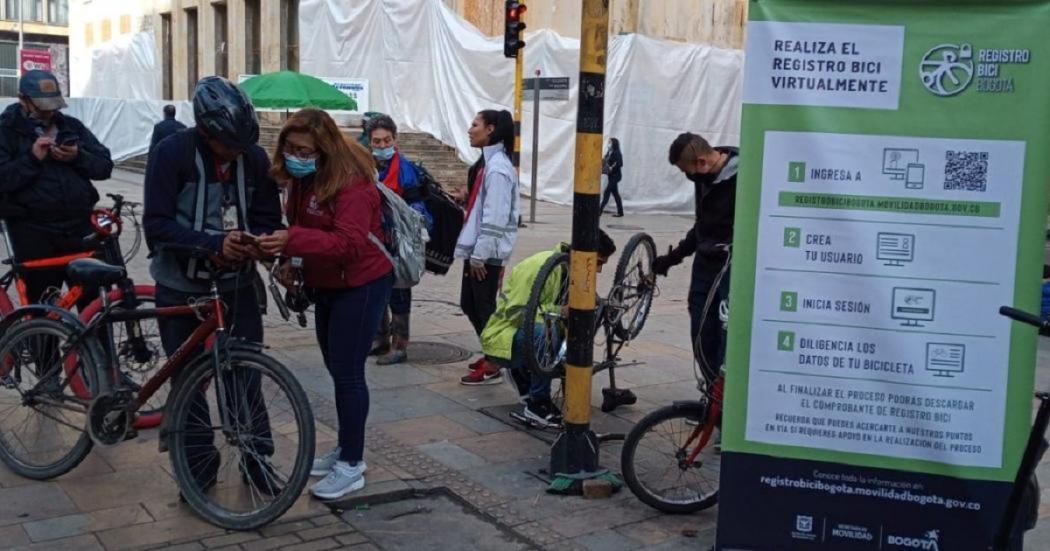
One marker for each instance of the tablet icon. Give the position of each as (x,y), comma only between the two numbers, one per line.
(903,165)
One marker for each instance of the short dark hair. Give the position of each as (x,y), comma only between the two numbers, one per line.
(606,246)
(169,110)
(381,122)
(684,140)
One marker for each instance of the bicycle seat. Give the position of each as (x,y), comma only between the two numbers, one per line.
(92,273)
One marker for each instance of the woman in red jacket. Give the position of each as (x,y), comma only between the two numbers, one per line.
(334,227)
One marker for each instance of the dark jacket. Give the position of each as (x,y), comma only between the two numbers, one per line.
(58,196)
(333,240)
(172,167)
(162,130)
(715,206)
(614,164)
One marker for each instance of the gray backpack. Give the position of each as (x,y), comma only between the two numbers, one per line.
(406,238)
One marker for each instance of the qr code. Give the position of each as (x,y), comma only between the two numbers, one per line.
(966,170)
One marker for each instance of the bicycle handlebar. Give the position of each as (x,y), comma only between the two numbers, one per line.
(1025,317)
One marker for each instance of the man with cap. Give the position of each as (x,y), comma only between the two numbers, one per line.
(47,162)
(165,128)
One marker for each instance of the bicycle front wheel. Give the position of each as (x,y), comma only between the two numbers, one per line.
(668,464)
(46,386)
(241,445)
(542,322)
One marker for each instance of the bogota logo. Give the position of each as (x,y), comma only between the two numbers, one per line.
(947,69)
(926,543)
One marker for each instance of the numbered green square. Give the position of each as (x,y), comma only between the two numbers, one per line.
(788,301)
(792,237)
(797,172)
(785,341)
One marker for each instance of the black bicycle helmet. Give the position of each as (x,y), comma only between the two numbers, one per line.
(225,113)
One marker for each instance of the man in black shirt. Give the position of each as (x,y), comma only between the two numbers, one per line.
(165,128)
(713,173)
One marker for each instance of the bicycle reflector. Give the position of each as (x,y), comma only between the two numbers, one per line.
(105,223)
(513,37)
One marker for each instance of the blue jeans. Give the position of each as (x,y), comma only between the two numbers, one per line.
(346,321)
(527,382)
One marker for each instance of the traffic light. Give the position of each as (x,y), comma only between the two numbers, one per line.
(513,37)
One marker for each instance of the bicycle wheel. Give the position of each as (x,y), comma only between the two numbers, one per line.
(139,350)
(656,463)
(44,398)
(545,340)
(634,285)
(250,473)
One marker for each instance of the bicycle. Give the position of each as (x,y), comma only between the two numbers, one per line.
(621,316)
(239,473)
(139,345)
(671,459)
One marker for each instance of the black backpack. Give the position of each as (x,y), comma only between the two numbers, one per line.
(448,221)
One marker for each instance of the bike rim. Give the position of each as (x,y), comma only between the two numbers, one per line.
(661,468)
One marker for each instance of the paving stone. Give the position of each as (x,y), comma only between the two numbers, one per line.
(285,528)
(189,546)
(316,545)
(154,533)
(329,530)
(116,489)
(275,542)
(504,447)
(452,456)
(325,520)
(13,536)
(231,539)
(352,539)
(478,422)
(412,402)
(425,430)
(36,501)
(86,542)
(84,523)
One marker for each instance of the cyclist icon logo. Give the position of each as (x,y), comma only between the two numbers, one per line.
(947,69)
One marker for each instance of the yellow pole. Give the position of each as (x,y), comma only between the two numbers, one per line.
(575,453)
(519,65)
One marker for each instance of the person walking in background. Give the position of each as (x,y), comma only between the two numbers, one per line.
(334,214)
(491,228)
(400,175)
(165,128)
(611,166)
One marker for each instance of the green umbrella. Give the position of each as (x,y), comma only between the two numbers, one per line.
(288,89)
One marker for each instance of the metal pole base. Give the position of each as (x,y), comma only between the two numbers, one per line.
(575,452)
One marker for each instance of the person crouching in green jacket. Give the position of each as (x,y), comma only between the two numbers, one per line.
(503,339)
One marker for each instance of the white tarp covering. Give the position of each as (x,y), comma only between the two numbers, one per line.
(124,126)
(432,72)
(126,67)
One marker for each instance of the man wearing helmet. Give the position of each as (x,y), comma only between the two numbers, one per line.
(208,186)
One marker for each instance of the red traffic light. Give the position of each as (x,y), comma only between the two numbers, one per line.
(514,13)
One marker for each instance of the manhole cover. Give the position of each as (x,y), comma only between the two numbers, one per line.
(436,353)
(625,227)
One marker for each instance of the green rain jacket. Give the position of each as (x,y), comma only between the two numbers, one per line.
(497,339)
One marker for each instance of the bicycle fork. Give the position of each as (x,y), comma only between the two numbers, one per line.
(706,428)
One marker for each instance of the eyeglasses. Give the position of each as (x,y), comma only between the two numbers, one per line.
(299,151)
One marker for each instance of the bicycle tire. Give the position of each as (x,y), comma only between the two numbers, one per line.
(88,373)
(695,411)
(533,312)
(150,414)
(199,376)
(635,318)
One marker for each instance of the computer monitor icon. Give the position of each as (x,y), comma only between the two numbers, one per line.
(895,248)
(945,359)
(913,305)
(896,163)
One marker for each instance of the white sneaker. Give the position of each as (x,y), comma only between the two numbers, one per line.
(323,465)
(343,479)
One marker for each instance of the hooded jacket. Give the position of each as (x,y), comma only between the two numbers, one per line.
(57,195)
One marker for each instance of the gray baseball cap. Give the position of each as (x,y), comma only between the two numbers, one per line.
(42,87)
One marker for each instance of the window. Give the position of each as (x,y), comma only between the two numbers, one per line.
(107,30)
(165,55)
(35,11)
(221,47)
(58,12)
(191,51)
(11,9)
(290,35)
(89,34)
(8,69)
(252,53)
(125,24)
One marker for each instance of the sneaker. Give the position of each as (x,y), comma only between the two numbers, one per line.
(343,479)
(380,347)
(394,357)
(543,412)
(484,374)
(474,365)
(323,465)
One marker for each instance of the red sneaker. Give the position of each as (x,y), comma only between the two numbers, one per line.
(486,373)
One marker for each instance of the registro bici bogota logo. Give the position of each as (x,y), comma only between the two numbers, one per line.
(949,69)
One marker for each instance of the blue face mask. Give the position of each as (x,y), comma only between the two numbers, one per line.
(299,168)
(383,154)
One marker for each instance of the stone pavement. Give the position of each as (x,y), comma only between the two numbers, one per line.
(447,468)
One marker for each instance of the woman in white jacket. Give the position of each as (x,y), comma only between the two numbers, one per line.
(491,227)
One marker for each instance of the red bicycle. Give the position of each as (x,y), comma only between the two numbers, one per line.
(237,425)
(138,343)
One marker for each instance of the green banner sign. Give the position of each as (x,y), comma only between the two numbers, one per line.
(892,196)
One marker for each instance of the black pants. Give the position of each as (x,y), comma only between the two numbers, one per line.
(243,320)
(712,335)
(32,243)
(478,298)
(613,189)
